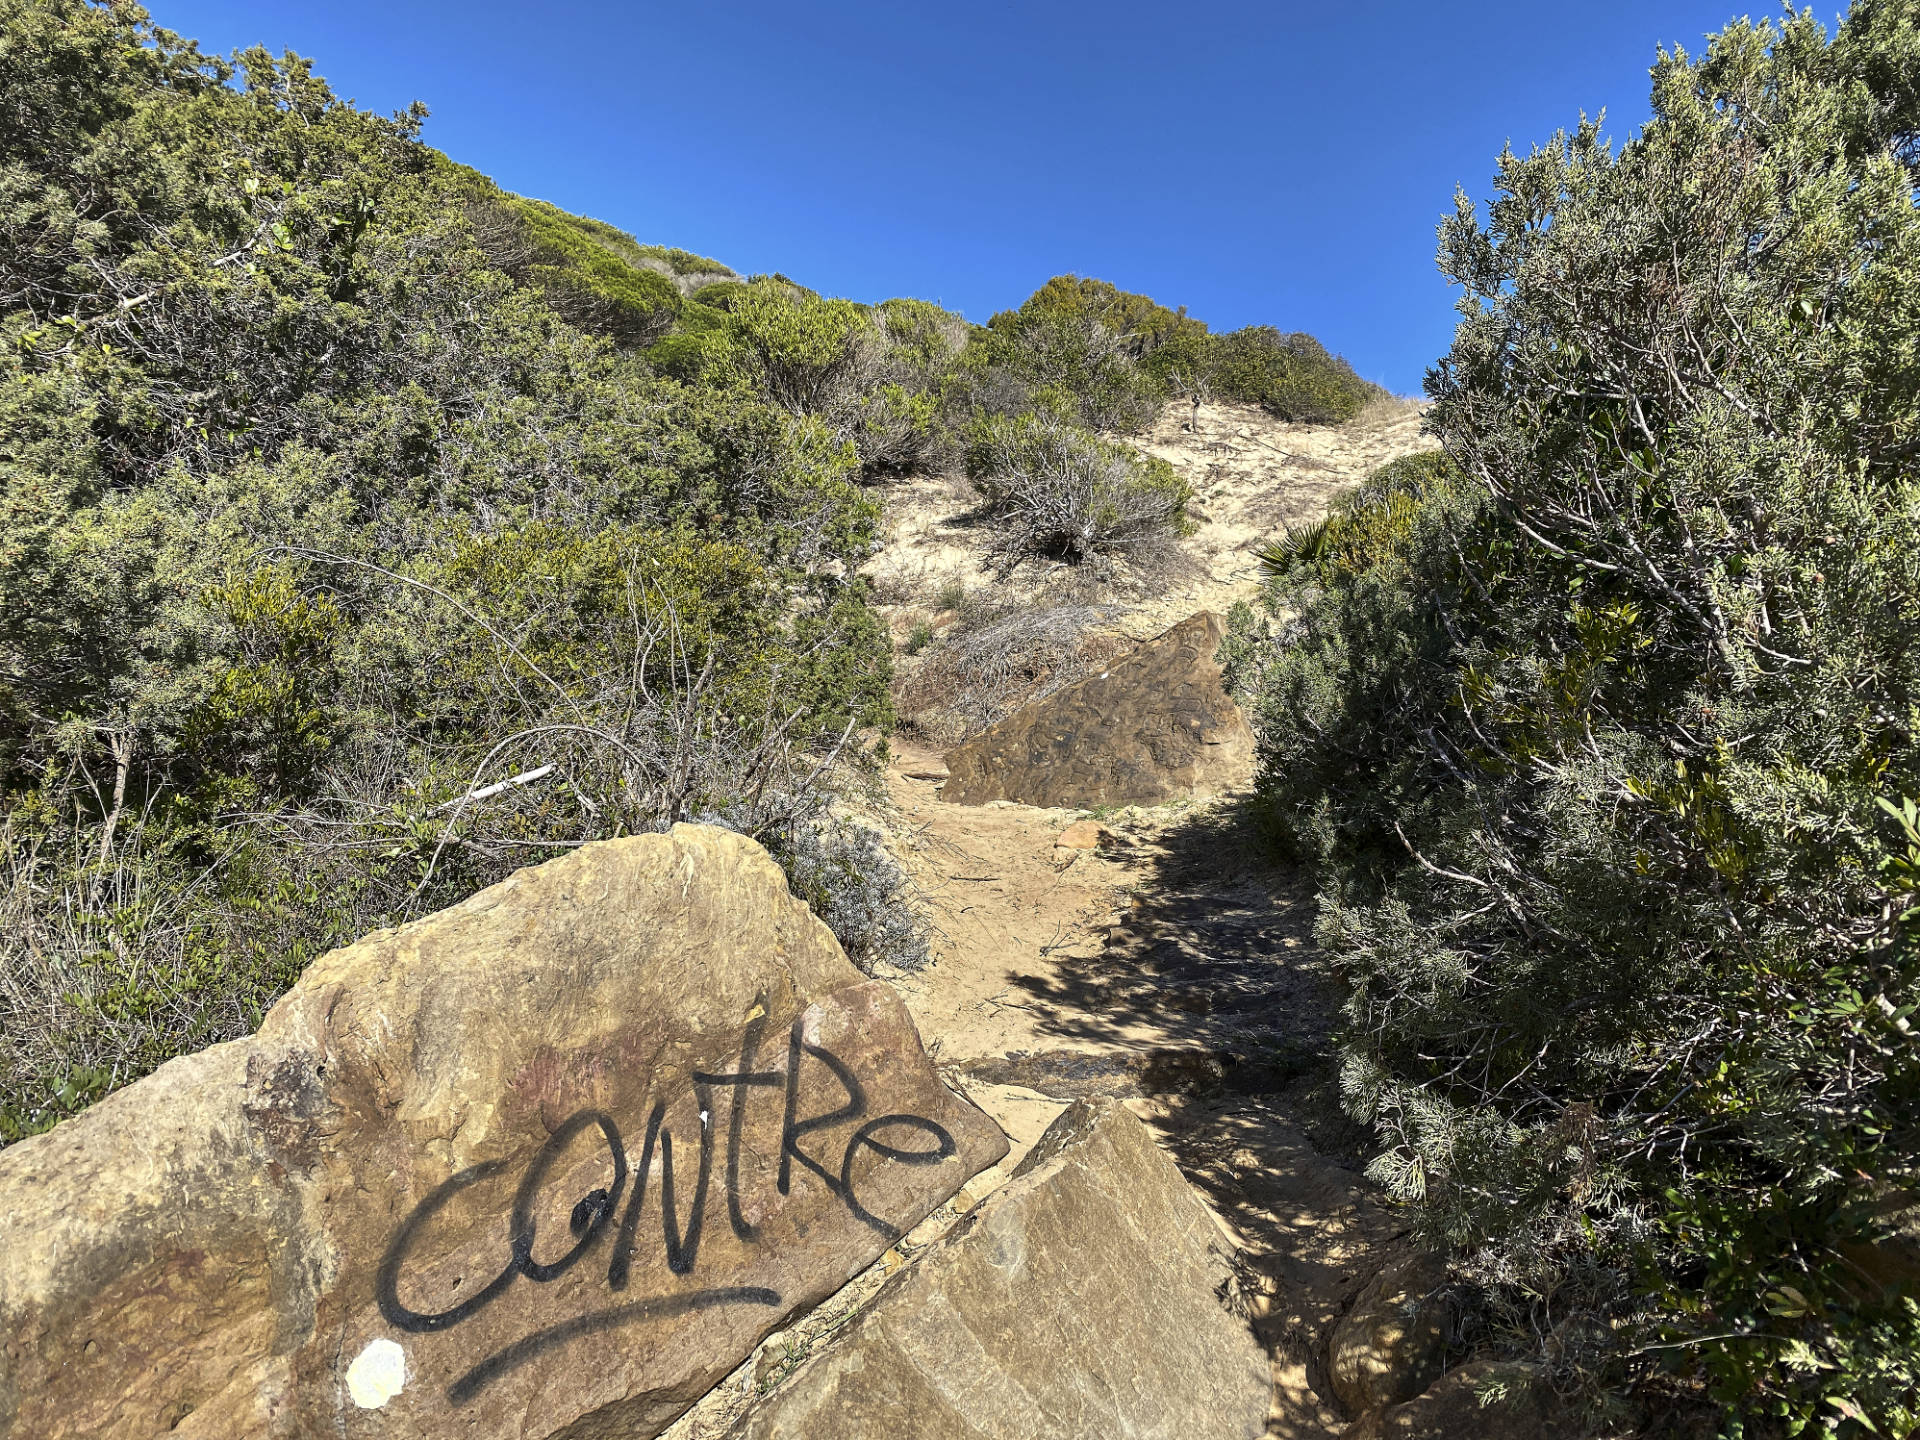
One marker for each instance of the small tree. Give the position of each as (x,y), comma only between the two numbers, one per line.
(1082,343)
(1291,376)
(806,354)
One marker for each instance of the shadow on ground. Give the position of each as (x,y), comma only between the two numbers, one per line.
(1210,983)
(1210,1004)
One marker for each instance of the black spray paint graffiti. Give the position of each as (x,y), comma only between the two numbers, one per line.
(595,1211)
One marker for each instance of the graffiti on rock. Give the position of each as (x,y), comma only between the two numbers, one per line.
(680,1230)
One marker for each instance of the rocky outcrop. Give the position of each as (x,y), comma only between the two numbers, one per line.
(1392,1344)
(1487,1400)
(547,1163)
(1157,725)
(1079,1299)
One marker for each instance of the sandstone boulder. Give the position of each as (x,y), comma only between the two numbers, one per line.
(1157,725)
(1392,1344)
(1077,1300)
(1487,1400)
(1083,835)
(549,1162)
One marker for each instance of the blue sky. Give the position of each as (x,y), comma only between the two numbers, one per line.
(1276,163)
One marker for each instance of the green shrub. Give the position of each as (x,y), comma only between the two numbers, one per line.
(803,353)
(587,270)
(1599,737)
(900,431)
(1367,526)
(720,295)
(1291,376)
(1079,344)
(922,341)
(689,357)
(682,262)
(1071,301)
(343,522)
(1116,358)
(1057,492)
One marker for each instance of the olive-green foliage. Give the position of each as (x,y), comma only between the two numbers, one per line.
(720,294)
(923,341)
(318,512)
(872,376)
(1600,736)
(800,351)
(1365,526)
(900,430)
(1060,492)
(594,274)
(1292,376)
(681,262)
(1116,358)
(1081,343)
(907,416)
(1144,324)
(589,273)
(905,380)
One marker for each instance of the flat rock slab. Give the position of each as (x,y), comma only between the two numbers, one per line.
(1157,725)
(1078,1300)
(548,1163)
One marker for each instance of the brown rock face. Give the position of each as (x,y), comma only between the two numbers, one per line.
(1392,1344)
(1078,1300)
(1158,725)
(1487,1400)
(547,1163)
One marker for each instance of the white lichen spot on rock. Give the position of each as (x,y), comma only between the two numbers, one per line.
(378,1373)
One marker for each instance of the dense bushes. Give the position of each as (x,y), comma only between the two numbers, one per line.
(1081,363)
(1077,346)
(1292,376)
(587,270)
(366,531)
(342,570)
(1600,731)
(1059,492)
(1115,358)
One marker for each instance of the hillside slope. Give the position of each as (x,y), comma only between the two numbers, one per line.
(1160,956)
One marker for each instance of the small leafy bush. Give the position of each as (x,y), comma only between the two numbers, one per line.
(1291,376)
(1077,345)
(901,431)
(580,266)
(1366,526)
(844,871)
(805,354)
(681,262)
(1057,492)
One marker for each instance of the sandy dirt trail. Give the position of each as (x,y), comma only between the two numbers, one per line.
(1170,964)
(1174,967)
